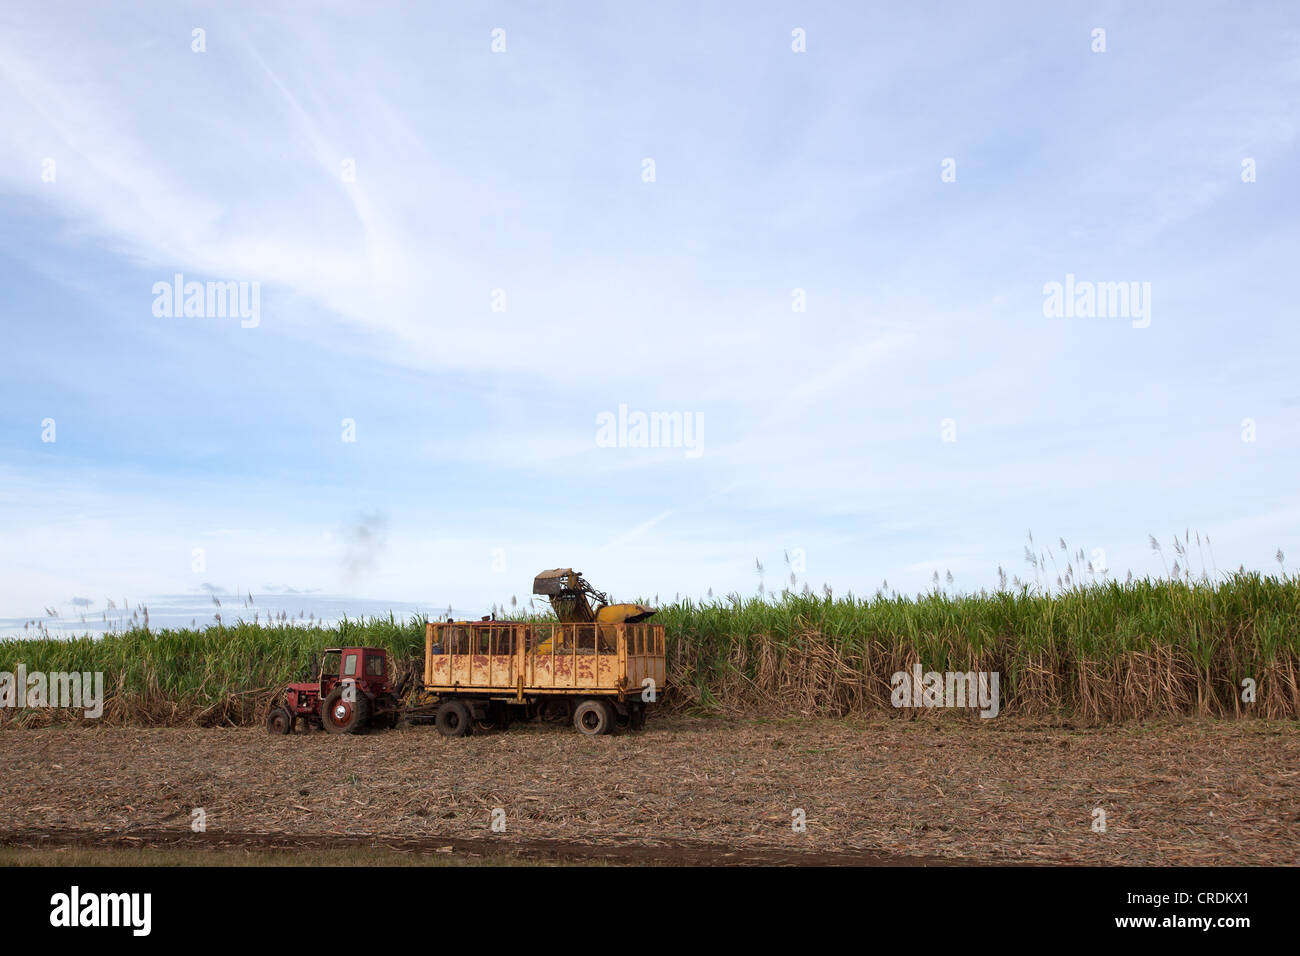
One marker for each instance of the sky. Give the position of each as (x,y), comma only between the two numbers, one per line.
(823,234)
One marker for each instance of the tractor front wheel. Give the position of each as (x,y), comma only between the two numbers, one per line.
(341,716)
(279,721)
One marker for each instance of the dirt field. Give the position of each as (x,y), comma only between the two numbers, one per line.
(684,791)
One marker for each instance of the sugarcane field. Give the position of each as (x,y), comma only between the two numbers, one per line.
(737,730)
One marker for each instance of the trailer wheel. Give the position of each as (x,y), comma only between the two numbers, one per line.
(453,719)
(344,716)
(279,721)
(636,717)
(492,721)
(594,717)
(552,709)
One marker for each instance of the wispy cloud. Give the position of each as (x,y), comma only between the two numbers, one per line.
(498,273)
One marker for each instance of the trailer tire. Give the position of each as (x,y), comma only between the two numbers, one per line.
(492,719)
(453,719)
(594,717)
(279,721)
(636,717)
(554,708)
(345,716)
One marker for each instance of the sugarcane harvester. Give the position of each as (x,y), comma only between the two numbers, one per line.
(571,597)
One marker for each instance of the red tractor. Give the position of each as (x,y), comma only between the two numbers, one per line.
(350,689)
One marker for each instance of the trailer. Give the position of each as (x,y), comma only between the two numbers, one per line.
(600,676)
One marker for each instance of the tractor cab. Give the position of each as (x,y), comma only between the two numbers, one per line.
(366,666)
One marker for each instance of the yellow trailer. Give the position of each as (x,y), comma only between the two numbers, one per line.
(601,675)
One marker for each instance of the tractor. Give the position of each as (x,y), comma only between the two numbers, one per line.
(345,691)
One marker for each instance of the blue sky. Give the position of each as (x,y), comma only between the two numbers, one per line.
(475,462)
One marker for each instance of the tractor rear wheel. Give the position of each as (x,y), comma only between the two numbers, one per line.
(342,716)
(593,718)
(279,721)
(453,719)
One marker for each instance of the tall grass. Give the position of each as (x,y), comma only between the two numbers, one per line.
(1108,651)
(213,675)
(1104,651)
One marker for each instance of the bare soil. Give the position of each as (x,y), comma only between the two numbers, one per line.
(878,791)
